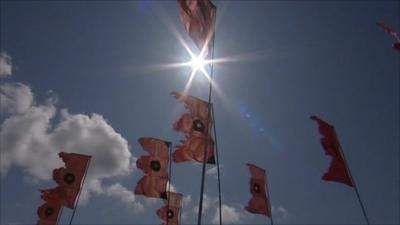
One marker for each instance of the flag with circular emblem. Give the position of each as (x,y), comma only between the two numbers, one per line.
(196,124)
(259,203)
(170,212)
(152,186)
(48,213)
(70,177)
(338,171)
(155,164)
(198,18)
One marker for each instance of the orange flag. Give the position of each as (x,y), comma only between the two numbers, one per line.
(152,186)
(198,18)
(259,203)
(48,213)
(194,125)
(70,177)
(171,214)
(155,164)
(338,171)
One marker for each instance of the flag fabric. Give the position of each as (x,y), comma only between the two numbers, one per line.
(338,171)
(152,186)
(171,209)
(54,195)
(259,203)
(196,124)
(155,164)
(70,177)
(198,18)
(392,33)
(48,213)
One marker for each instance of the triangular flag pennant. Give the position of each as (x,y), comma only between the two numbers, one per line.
(70,177)
(338,171)
(198,18)
(170,212)
(194,125)
(259,203)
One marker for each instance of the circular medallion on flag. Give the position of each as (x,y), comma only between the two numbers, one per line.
(49,211)
(155,165)
(256,188)
(69,178)
(198,126)
(170,214)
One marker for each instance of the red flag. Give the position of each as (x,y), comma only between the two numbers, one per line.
(198,18)
(152,186)
(392,33)
(70,177)
(194,124)
(338,171)
(172,213)
(54,195)
(48,213)
(259,203)
(155,164)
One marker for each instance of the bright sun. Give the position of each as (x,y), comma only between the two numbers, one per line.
(197,63)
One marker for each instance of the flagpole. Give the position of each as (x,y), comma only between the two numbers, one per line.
(218,173)
(169,178)
(268,199)
(80,190)
(207,126)
(59,215)
(351,178)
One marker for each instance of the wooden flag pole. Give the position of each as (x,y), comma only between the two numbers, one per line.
(269,198)
(217,158)
(169,178)
(207,128)
(79,193)
(351,178)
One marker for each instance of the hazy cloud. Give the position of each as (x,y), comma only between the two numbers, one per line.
(5,65)
(16,98)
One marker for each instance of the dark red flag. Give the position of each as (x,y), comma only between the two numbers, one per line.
(198,18)
(70,177)
(259,203)
(194,124)
(152,186)
(155,164)
(338,171)
(392,33)
(54,195)
(48,213)
(171,214)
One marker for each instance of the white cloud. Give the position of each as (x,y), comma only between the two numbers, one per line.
(5,65)
(279,213)
(32,142)
(213,171)
(230,215)
(126,196)
(16,98)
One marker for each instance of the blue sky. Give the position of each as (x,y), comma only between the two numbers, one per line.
(85,77)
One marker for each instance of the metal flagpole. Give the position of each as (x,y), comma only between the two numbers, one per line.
(207,126)
(79,193)
(268,199)
(169,179)
(217,158)
(351,177)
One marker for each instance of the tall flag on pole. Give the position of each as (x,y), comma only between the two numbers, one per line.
(338,171)
(155,167)
(69,178)
(392,33)
(198,18)
(194,124)
(170,212)
(259,203)
(49,212)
